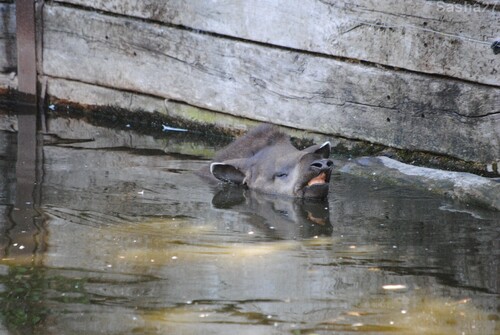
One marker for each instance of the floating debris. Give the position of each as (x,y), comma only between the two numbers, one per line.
(168,128)
(52,107)
(394,287)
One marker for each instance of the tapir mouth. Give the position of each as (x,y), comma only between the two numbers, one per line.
(317,186)
(322,178)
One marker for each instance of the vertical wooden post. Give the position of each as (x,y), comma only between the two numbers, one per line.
(24,214)
(26,47)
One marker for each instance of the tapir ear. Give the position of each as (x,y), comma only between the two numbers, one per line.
(323,149)
(227,172)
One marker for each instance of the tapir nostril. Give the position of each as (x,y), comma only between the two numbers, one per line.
(322,164)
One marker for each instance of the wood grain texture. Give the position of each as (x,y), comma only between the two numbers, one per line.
(8,80)
(89,94)
(8,60)
(440,37)
(94,95)
(398,109)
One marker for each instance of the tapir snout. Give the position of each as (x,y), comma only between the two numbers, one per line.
(317,178)
(265,160)
(322,165)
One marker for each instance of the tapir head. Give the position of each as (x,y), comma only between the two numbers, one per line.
(279,168)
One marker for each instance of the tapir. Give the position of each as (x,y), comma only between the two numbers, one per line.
(265,160)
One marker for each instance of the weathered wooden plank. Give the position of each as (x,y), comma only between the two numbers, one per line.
(8,80)
(424,36)
(8,60)
(89,94)
(26,46)
(299,90)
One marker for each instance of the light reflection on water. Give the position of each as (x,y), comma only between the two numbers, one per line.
(135,243)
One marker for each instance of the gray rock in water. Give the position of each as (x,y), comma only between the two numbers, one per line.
(466,187)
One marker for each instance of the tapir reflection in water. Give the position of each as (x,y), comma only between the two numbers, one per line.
(265,160)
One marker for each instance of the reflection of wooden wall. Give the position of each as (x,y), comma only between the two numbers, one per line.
(7,183)
(418,75)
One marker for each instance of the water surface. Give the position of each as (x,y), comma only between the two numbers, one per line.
(118,236)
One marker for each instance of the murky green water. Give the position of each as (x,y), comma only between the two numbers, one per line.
(96,238)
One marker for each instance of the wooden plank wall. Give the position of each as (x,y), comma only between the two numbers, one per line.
(423,36)
(417,75)
(8,57)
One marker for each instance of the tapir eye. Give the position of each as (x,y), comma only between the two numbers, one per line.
(281,174)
